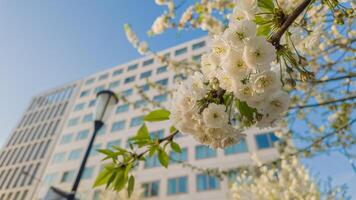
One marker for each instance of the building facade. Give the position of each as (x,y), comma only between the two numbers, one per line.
(177,182)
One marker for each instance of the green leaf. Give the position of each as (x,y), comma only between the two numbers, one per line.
(157,115)
(163,158)
(172,129)
(131,185)
(142,133)
(175,146)
(246,110)
(264,30)
(120,180)
(266,5)
(103,177)
(153,150)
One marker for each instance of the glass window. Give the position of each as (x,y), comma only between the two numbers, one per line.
(89,81)
(113,143)
(147,62)
(129,79)
(68,176)
(177,185)
(58,157)
(136,121)
(92,103)
(163,82)
(145,74)
(117,72)
(67,138)
(82,135)
(97,195)
(122,108)
(127,92)
(196,58)
(178,157)
(84,93)
(117,126)
(75,154)
(206,182)
(203,152)
(102,130)
(49,179)
(265,140)
(239,147)
(151,189)
(161,69)
(88,173)
(152,161)
(114,84)
(79,107)
(73,121)
(99,89)
(94,150)
(140,103)
(198,45)
(180,51)
(144,87)
(179,77)
(132,67)
(103,77)
(157,134)
(87,118)
(160,98)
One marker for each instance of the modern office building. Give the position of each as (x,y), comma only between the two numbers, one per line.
(61,160)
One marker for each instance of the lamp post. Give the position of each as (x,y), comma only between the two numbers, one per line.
(106,101)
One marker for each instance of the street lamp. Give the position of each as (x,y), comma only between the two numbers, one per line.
(106,101)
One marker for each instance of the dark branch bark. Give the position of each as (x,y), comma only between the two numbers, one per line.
(323,103)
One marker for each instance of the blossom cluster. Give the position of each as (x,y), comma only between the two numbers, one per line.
(240,64)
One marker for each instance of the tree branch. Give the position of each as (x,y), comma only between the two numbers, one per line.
(276,37)
(323,103)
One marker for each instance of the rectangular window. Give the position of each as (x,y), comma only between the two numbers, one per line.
(140,103)
(99,89)
(113,143)
(136,121)
(49,179)
(122,108)
(132,67)
(161,69)
(266,140)
(117,72)
(73,121)
(147,62)
(203,152)
(89,81)
(239,147)
(127,92)
(152,161)
(68,176)
(75,154)
(206,182)
(84,93)
(129,79)
(92,103)
(82,135)
(180,51)
(157,134)
(177,185)
(102,130)
(94,150)
(151,189)
(179,77)
(145,74)
(117,126)
(160,98)
(144,87)
(58,157)
(103,77)
(67,138)
(114,84)
(87,118)
(79,106)
(88,173)
(198,45)
(197,58)
(163,82)
(178,157)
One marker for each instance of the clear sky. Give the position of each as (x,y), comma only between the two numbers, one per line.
(44,44)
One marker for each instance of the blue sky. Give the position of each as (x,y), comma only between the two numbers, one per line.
(44,44)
